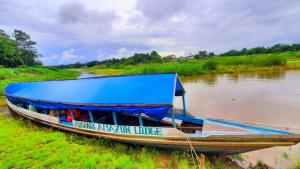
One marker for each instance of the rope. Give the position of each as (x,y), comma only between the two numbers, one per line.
(193,151)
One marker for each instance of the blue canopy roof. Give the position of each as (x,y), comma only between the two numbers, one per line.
(151,94)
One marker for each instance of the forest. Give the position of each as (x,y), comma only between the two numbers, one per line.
(17,50)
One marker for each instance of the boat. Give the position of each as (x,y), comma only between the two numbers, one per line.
(139,110)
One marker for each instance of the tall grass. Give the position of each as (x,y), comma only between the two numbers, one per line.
(213,65)
(253,60)
(184,68)
(217,64)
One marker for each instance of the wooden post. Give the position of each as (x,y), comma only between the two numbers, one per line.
(140,119)
(183,102)
(115,118)
(91,116)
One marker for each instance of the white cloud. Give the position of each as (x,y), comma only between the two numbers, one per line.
(175,26)
(122,52)
(66,57)
(161,42)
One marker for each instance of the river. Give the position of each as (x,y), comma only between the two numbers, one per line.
(263,97)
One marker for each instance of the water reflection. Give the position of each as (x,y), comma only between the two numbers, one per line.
(87,75)
(212,79)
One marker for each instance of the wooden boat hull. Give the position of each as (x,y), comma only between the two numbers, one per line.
(211,144)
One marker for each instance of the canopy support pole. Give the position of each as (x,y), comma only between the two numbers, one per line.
(183,102)
(72,114)
(91,116)
(140,119)
(115,118)
(173,119)
(58,115)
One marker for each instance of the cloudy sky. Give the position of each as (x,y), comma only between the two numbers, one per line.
(69,31)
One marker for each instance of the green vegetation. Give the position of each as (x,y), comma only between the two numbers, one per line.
(262,50)
(28,145)
(285,155)
(8,75)
(154,57)
(217,64)
(297,164)
(237,157)
(137,58)
(17,51)
(218,163)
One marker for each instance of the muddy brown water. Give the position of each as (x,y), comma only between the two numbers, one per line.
(261,97)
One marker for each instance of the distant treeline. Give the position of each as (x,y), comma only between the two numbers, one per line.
(137,58)
(154,57)
(17,50)
(262,50)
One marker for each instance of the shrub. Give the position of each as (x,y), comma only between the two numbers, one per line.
(210,64)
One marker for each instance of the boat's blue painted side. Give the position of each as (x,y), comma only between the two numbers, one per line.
(200,121)
(185,118)
(256,129)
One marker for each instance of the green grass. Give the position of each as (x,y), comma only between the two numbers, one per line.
(104,71)
(27,145)
(285,155)
(8,75)
(297,164)
(237,157)
(230,64)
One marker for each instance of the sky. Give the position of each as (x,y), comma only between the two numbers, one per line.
(80,31)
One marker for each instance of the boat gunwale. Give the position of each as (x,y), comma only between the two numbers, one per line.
(160,141)
(288,130)
(211,138)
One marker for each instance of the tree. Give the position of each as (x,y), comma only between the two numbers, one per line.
(2,33)
(26,48)
(155,57)
(202,53)
(17,51)
(232,53)
(210,54)
(8,52)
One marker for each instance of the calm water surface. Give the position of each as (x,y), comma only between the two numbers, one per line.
(87,75)
(262,98)
(270,98)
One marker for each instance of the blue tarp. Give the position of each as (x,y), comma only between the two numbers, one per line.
(151,94)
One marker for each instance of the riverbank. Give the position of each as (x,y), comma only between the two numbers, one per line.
(25,144)
(216,65)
